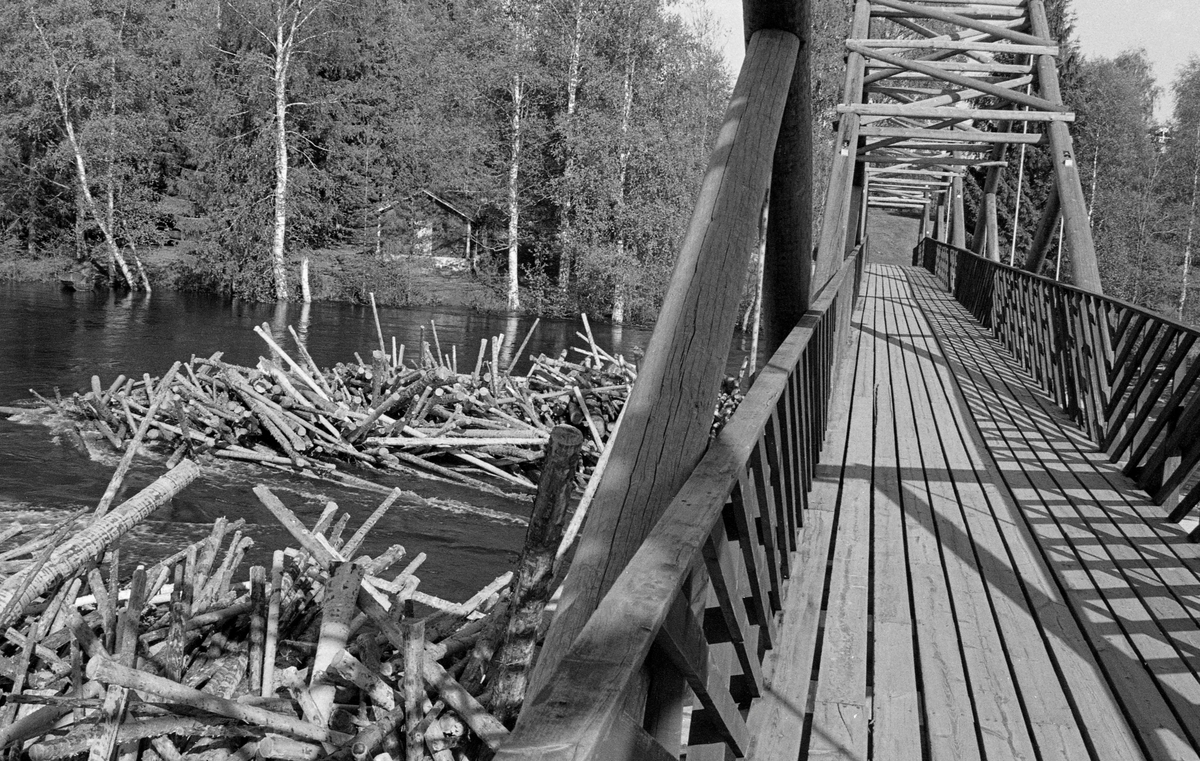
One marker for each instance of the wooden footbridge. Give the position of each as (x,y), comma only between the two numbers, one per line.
(950,519)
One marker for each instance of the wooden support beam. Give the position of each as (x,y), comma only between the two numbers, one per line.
(961,46)
(1043,237)
(880,71)
(947,146)
(855,232)
(930,161)
(996,15)
(837,197)
(877,202)
(889,170)
(974,135)
(986,239)
(1077,229)
(685,360)
(787,268)
(925,11)
(948,112)
(925,31)
(958,221)
(954,97)
(998,91)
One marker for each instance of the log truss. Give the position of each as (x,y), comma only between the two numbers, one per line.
(935,88)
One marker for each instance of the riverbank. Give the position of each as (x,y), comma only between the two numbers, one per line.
(344,275)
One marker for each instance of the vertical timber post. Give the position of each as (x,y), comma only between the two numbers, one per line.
(787,268)
(1085,272)
(858,199)
(986,241)
(1035,257)
(837,198)
(958,215)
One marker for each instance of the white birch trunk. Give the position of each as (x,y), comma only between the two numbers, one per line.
(1191,224)
(618,309)
(514,209)
(305,292)
(565,262)
(60,96)
(282,59)
(90,201)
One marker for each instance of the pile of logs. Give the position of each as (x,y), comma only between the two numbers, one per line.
(486,428)
(325,655)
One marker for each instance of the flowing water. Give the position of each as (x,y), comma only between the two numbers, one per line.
(53,339)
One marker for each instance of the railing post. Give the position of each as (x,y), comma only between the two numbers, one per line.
(787,273)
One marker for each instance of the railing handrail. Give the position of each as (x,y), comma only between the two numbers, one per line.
(1112,300)
(570,722)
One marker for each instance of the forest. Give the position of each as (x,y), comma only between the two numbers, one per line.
(551,147)
(1140,176)
(570,135)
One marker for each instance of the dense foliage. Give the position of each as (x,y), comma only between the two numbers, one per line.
(1139,177)
(180,119)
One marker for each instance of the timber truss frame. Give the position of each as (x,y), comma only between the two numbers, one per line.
(933,88)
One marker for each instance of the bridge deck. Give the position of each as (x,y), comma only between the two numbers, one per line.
(993,589)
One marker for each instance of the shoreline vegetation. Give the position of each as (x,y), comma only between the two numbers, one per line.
(344,275)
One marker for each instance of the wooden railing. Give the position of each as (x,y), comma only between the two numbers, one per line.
(1126,375)
(698,599)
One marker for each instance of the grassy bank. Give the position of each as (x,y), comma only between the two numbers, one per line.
(343,275)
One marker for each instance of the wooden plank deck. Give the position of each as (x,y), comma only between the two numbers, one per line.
(973,580)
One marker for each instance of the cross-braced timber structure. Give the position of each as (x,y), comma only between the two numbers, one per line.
(951,518)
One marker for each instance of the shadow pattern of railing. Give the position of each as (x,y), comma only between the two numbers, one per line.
(1129,377)
(707,581)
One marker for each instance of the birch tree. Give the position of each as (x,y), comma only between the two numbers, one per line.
(82,55)
(1183,155)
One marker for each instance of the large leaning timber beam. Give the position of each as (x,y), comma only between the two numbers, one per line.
(666,421)
(787,274)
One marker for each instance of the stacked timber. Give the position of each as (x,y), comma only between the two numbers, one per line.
(486,427)
(327,654)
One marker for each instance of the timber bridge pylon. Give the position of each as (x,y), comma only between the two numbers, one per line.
(950,520)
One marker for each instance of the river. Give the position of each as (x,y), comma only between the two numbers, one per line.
(50,338)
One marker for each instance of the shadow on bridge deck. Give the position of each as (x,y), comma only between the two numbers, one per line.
(993,587)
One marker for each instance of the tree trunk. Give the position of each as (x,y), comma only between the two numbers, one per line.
(514,209)
(306,293)
(1146,206)
(90,201)
(618,308)
(531,585)
(566,234)
(1191,225)
(60,95)
(89,544)
(283,52)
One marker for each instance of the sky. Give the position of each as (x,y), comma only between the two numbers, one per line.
(1169,30)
